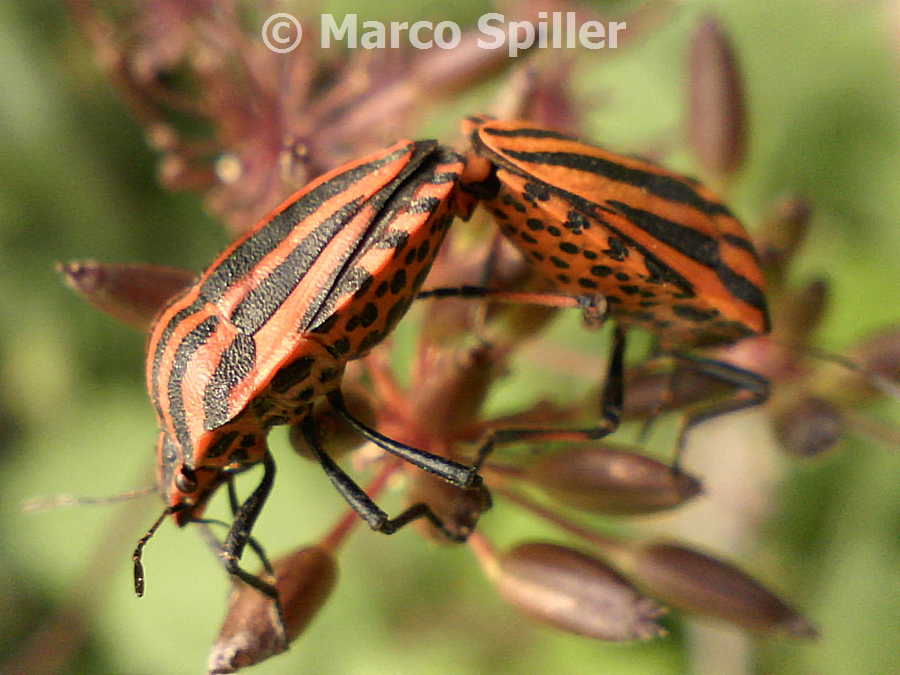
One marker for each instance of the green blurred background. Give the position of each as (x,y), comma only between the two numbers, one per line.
(77,181)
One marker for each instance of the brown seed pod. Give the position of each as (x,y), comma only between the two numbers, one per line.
(809,427)
(253,631)
(698,583)
(575,592)
(716,100)
(134,294)
(605,480)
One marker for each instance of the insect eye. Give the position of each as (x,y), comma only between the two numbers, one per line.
(186,480)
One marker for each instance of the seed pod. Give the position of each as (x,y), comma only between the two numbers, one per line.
(601,479)
(450,387)
(646,389)
(800,312)
(133,294)
(698,583)
(575,592)
(782,233)
(809,427)
(716,104)
(458,509)
(253,631)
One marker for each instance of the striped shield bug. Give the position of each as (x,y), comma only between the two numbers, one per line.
(662,251)
(269,328)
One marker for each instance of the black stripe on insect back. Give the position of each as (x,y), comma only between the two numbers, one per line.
(258,306)
(161,345)
(663,186)
(346,278)
(265,240)
(699,248)
(234,365)
(185,352)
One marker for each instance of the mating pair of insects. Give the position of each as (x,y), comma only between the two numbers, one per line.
(271,325)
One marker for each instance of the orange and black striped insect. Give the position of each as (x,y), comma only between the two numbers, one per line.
(663,252)
(270,326)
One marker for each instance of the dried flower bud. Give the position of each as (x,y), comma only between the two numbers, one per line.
(698,583)
(601,479)
(879,355)
(716,104)
(134,294)
(647,389)
(782,233)
(457,508)
(334,432)
(809,427)
(451,385)
(253,631)
(801,312)
(574,592)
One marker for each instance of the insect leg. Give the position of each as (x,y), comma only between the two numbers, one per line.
(751,390)
(611,410)
(374,516)
(239,535)
(453,472)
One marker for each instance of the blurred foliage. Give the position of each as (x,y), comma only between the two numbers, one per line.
(77,180)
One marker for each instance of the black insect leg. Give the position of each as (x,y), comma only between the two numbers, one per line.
(368,510)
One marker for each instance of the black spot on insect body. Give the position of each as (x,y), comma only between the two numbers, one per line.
(398,281)
(329,375)
(589,255)
(369,315)
(558,262)
(222,444)
(240,455)
(647,293)
(643,316)
(534,224)
(590,284)
(553,230)
(364,286)
(621,276)
(507,199)
(576,222)
(537,191)
(369,341)
(537,255)
(499,214)
(419,279)
(352,324)
(528,238)
(305,394)
(568,247)
(292,374)
(601,271)
(689,313)
(649,303)
(326,326)
(411,256)
(629,289)
(261,406)
(424,250)
(617,249)
(396,312)
(564,278)
(339,347)
(382,289)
